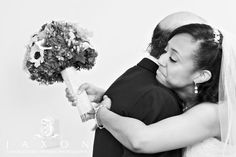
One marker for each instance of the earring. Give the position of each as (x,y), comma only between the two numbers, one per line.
(195,88)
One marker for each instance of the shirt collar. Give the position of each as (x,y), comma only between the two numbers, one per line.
(148,64)
(155,60)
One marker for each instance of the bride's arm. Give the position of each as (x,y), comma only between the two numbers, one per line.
(197,124)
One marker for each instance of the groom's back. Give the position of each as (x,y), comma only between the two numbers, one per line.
(137,94)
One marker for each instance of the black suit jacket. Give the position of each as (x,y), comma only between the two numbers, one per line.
(137,94)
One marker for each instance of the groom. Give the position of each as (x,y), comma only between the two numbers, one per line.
(138,94)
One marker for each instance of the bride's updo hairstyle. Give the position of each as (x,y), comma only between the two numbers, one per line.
(207,57)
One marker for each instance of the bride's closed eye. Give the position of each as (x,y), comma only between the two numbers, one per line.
(172,60)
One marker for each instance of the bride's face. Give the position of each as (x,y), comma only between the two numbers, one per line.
(177,68)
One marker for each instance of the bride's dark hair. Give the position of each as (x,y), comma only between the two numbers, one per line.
(207,57)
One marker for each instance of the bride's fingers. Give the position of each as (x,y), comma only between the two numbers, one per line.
(83,87)
(106,101)
(91,112)
(69,95)
(92,98)
(94,105)
(67,92)
(70,98)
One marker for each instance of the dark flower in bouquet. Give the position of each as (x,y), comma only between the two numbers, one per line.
(57,46)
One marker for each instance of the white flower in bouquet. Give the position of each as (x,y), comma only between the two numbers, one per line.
(37,53)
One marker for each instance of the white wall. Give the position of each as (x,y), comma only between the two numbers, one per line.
(122,30)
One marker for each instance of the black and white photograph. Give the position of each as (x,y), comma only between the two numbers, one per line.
(118,78)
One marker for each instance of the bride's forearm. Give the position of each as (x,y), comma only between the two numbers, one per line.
(180,131)
(126,130)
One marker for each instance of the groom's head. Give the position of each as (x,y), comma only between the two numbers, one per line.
(166,26)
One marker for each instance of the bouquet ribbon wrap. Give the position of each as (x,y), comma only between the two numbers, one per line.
(55,48)
(82,101)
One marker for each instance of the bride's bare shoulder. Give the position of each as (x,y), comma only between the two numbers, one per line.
(206,110)
(205,107)
(206,114)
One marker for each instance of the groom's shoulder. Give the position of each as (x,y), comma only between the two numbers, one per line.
(158,102)
(161,94)
(160,89)
(166,97)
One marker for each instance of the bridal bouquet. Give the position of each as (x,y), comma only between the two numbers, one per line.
(55,48)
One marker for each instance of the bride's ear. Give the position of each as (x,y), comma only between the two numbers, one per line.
(202,76)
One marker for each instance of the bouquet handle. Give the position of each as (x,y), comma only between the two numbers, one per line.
(83,103)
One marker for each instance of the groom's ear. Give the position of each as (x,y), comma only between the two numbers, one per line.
(202,76)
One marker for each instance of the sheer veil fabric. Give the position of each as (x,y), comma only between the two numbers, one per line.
(227,90)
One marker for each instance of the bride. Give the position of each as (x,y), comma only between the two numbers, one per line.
(207,129)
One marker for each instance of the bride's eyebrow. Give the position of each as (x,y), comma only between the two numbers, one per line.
(176,52)
(170,46)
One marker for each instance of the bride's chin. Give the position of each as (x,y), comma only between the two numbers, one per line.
(162,80)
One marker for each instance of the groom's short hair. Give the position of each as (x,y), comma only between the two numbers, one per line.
(159,41)
(163,30)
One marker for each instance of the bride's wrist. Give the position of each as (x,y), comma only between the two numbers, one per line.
(98,114)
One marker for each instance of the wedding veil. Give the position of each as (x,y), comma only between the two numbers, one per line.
(227,90)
